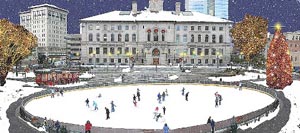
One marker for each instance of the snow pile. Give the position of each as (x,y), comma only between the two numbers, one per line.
(86,75)
(173,77)
(70,85)
(118,80)
(247,76)
(12,75)
(187,71)
(126,70)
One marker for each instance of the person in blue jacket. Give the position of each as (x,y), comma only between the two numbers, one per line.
(112,106)
(166,128)
(212,124)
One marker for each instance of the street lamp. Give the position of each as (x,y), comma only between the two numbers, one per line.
(218,55)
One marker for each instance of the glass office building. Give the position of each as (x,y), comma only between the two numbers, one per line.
(217,8)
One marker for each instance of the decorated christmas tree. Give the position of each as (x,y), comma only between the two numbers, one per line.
(279,65)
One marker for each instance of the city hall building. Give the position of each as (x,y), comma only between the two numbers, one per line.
(154,36)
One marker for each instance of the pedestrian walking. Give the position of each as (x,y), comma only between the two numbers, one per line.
(107,113)
(112,106)
(187,96)
(88,127)
(166,128)
(164,110)
(87,102)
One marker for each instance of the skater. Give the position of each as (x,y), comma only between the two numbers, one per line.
(163,96)
(155,112)
(134,98)
(159,97)
(240,86)
(182,91)
(216,101)
(112,106)
(107,113)
(138,94)
(99,96)
(208,120)
(220,99)
(158,116)
(166,92)
(187,96)
(166,128)
(87,102)
(95,105)
(88,127)
(57,126)
(135,103)
(61,91)
(52,93)
(164,110)
(212,124)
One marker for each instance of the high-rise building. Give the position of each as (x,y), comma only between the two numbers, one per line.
(218,8)
(49,24)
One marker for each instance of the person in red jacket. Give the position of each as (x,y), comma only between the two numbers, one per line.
(88,127)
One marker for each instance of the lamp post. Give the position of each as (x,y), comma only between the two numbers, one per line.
(218,55)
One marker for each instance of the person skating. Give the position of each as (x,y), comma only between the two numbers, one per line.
(155,112)
(112,106)
(159,97)
(88,127)
(164,110)
(166,91)
(52,93)
(163,96)
(182,91)
(208,120)
(135,103)
(107,113)
(158,116)
(240,86)
(212,124)
(87,102)
(217,101)
(187,96)
(220,99)
(166,128)
(138,94)
(95,105)
(134,97)
(61,91)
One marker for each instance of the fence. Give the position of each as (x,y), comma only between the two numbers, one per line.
(221,126)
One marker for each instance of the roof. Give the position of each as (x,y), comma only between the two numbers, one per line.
(155,16)
(48,5)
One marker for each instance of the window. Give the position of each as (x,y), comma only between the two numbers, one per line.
(97,50)
(192,61)
(126,37)
(90,50)
(126,27)
(105,37)
(112,27)
(213,38)
(163,36)
(112,60)
(97,27)
(119,27)
(155,36)
(98,37)
(206,51)
(126,50)
(192,28)
(199,38)
(199,50)
(221,39)
(133,37)
(213,51)
(206,38)
(199,61)
(220,28)
(177,28)
(177,38)
(119,37)
(104,60)
(206,61)
(112,50)
(90,37)
(192,38)
(90,27)
(184,38)
(105,27)
(119,50)
(213,61)
(192,51)
(199,28)
(206,28)
(90,60)
(133,27)
(213,28)
(112,37)
(133,50)
(97,60)
(149,36)
(104,50)
(185,28)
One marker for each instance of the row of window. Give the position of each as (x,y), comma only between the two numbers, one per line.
(293,58)
(112,37)
(296,38)
(199,38)
(112,27)
(294,45)
(199,28)
(119,60)
(112,50)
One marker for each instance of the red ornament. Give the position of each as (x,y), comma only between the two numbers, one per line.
(155,30)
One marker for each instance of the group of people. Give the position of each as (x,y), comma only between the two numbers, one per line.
(50,125)
(162,96)
(212,124)
(218,99)
(158,115)
(57,92)
(138,95)
(185,94)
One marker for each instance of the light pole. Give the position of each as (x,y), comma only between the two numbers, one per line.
(218,55)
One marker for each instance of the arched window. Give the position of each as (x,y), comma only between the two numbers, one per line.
(163,36)
(133,37)
(105,37)
(98,37)
(206,38)
(119,37)
(112,37)
(192,38)
(149,36)
(199,38)
(155,36)
(126,37)
(213,38)
(221,39)
(90,37)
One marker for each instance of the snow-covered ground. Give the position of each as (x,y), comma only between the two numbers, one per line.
(10,95)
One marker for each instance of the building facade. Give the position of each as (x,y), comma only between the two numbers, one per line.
(154,36)
(293,40)
(49,24)
(73,42)
(218,8)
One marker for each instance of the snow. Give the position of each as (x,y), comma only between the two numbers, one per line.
(126,70)
(124,104)
(141,117)
(119,79)
(173,77)
(86,75)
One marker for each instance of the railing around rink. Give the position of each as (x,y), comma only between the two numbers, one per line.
(224,125)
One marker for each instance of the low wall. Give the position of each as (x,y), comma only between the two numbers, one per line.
(222,126)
